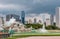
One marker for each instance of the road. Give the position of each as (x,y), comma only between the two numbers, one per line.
(41,37)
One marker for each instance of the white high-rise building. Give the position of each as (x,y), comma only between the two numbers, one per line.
(58,17)
(29,20)
(46,18)
(35,18)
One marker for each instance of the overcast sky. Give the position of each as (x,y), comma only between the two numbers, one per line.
(29,6)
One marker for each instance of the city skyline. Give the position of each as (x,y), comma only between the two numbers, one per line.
(26,18)
(32,8)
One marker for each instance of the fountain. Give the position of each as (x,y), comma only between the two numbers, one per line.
(43,30)
(11,21)
(1,28)
(13,25)
(8,25)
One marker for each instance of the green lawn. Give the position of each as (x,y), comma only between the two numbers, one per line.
(26,34)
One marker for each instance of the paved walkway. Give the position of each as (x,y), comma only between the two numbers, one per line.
(42,37)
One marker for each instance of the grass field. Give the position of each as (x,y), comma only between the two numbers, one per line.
(28,34)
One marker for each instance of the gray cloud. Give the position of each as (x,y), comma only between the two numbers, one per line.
(30,6)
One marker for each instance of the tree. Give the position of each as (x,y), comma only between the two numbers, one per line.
(35,26)
(50,27)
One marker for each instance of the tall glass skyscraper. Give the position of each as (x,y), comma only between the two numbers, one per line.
(23,17)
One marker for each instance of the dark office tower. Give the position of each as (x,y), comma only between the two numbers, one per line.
(23,17)
(2,20)
(35,20)
(52,19)
(9,16)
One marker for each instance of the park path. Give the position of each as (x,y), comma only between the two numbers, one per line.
(41,37)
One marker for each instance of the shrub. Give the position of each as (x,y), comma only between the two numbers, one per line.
(50,27)
(35,26)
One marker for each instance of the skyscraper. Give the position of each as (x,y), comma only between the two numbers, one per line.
(1,21)
(9,16)
(35,20)
(46,18)
(58,17)
(30,21)
(23,17)
(52,19)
